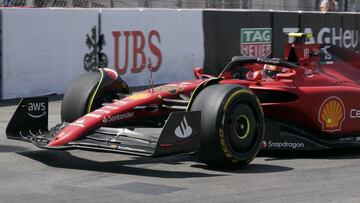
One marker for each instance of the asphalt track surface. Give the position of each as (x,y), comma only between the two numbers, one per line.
(29,174)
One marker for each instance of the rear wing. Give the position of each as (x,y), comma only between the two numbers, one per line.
(299,52)
(300,35)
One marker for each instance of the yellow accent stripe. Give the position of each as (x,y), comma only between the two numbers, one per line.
(300,35)
(192,95)
(234,95)
(248,125)
(96,90)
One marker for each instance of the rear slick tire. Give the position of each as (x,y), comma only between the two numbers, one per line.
(232,125)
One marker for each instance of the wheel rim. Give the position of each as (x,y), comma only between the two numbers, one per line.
(242,127)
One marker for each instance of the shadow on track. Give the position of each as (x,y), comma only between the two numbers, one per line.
(251,168)
(63,159)
(331,154)
(10,148)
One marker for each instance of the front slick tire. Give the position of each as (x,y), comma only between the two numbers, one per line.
(232,125)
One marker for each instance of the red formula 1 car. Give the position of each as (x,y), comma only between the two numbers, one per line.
(308,100)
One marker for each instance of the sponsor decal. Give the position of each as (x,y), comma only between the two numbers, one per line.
(110,107)
(326,57)
(355,113)
(285,144)
(255,42)
(350,139)
(118,117)
(171,88)
(95,59)
(93,115)
(183,130)
(137,96)
(306,53)
(125,148)
(121,102)
(142,58)
(331,114)
(80,121)
(184,84)
(77,124)
(330,35)
(35,109)
(347,139)
(102,110)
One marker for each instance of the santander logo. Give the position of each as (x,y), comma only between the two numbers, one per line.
(183,130)
(138,48)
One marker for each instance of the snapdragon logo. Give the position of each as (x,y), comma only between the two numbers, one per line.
(279,145)
(118,117)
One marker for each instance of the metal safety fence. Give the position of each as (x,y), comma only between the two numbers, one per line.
(304,5)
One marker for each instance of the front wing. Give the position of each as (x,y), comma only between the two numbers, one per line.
(180,133)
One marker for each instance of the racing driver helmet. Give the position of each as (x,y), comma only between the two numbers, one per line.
(270,71)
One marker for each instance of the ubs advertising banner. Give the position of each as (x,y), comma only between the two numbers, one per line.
(43,49)
(166,43)
(234,33)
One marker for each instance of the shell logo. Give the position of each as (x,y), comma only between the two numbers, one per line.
(332,114)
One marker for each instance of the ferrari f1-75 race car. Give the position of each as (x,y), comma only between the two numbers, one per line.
(307,100)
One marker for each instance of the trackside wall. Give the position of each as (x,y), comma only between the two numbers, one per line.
(170,43)
(42,50)
(246,33)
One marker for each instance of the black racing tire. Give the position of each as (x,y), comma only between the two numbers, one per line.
(232,125)
(77,96)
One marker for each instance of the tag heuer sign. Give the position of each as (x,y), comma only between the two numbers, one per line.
(255,42)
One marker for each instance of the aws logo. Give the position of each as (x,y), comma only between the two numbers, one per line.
(36,109)
(332,114)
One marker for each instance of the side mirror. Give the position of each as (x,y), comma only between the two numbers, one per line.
(198,72)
